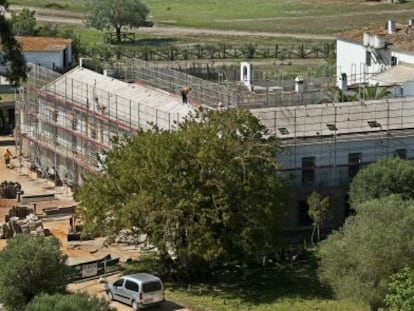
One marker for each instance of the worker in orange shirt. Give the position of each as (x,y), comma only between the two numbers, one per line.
(7,156)
(184,93)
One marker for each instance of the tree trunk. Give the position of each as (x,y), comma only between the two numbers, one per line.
(118,34)
(313,236)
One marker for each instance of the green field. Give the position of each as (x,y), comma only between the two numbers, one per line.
(288,16)
(280,287)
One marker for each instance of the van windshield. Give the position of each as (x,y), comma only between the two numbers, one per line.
(151,287)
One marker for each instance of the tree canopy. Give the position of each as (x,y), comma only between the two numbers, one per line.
(71,302)
(30,265)
(358,260)
(106,14)
(24,23)
(11,55)
(382,178)
(207,190)
(318,212)
(400,296)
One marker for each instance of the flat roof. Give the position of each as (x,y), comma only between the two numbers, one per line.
(399,74)
(402,39)
(319,120)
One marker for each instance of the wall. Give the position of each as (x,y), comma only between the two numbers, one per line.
(49,60)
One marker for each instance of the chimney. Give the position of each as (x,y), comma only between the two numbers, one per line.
(299,84)
(411,22)
(391,27)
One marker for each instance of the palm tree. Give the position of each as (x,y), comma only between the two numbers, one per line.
(373,92)
(336,95)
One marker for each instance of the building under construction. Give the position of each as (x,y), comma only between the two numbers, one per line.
(66,123)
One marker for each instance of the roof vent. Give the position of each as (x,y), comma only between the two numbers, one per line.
(283,130)
(367,39)
(411,22)
(391,27)
(374,124)
(331,127)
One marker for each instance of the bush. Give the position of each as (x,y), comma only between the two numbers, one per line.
(30,265)
(73,302)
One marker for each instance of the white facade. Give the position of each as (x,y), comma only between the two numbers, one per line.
(358,63)
(50,59)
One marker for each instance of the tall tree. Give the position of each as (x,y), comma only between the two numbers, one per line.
(208,190)
(104,14)
(30,265)
(11,55)
(382,178)
(358,261)
(24,23)
(318,212)
(374,92)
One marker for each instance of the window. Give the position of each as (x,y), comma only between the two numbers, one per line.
(303,209)
(119,283)
(394,61)
(93,133)
(401,153)
(368,58)
(354,162)
(308,169)
(131,286)
(151,287)
(74,123)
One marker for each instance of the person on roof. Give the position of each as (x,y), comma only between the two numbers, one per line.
(184,93)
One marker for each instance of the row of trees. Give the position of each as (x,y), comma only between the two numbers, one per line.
(33,277)
(360,261)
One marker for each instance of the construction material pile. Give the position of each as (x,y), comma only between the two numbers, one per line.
(9,189)
(21,219)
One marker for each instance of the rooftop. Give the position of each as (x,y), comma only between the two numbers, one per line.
(402,39)
(38,44)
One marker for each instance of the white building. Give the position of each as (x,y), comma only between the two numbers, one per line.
(326,144)
(52,53)
(366,52)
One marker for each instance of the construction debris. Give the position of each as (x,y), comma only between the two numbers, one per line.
(21,219)
(10,189)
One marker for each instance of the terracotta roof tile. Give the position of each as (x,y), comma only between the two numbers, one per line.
(37,44)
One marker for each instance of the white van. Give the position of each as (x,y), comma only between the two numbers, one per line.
(140,290)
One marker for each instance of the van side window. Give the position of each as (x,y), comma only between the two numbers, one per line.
(151,287)
(119,282)
(131,286)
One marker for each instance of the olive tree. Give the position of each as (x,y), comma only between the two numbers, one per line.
(208,190)
(106,14)
(358,260)
(382,178)
(30,265)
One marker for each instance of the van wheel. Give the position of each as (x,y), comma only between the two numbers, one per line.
(135,306)
(110,295)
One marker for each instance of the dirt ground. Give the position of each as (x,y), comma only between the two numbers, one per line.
(77,251)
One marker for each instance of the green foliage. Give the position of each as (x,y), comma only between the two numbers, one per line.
(382,178)
(318,212)
(72,302)
(207,191)
(30,265)
(400,294)
(336,95)
(104,14)
(358,260)
(371,92)
(12,56)
(24,23)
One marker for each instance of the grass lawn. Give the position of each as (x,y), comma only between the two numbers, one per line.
(287,287)
(290,16)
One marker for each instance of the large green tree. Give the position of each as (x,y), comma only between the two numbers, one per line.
(106,14)
(71,302)
(358,260)
(30,265)
(205,191)
(382,178)
(10,55)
